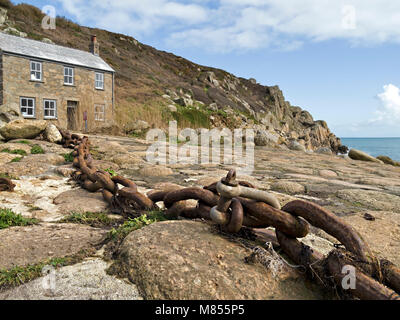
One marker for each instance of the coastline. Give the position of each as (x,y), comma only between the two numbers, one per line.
(375,146)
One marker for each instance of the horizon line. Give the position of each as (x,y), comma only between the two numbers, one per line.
(369,137)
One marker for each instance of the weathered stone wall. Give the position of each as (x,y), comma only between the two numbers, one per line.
(17,83)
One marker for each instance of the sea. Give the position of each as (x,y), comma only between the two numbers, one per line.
(375,146)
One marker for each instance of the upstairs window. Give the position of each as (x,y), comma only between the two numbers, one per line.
(99,83)
(27,107)
(99,112)
(36,71)
(50,109)
(68,76)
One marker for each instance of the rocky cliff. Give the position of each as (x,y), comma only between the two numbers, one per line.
(157,86)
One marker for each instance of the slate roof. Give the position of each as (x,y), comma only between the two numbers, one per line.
(45,51)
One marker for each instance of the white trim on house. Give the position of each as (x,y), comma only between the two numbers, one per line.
(27,104)
(51,108)
(69,76)
(99,80)
(36,68)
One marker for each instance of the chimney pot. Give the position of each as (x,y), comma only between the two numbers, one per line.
(94,47)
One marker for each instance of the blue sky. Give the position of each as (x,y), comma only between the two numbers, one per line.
(337,59)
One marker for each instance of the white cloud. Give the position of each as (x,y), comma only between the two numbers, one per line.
(226,25)
(390,110)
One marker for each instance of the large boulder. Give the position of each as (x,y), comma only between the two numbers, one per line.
(23,129)
(296,146)
(52,134)
(362,156)
(3,16)
(388,160)
(184,101)
(182,260)
(137,127)
(288,187)
(324,150)
(155,171)
(265,138)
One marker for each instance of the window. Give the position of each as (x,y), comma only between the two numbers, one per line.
(68,76)
(99,83)
(36,71)
(99,112)
(27,107)
(50,109)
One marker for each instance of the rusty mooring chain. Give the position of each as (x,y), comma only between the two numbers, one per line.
(236,204)
(6,185)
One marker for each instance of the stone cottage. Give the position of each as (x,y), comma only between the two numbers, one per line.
(43,81)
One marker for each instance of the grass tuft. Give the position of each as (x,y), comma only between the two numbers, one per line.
(6,175)
(16,151)
(68,157)
(89,218)
(36,149)
(135,224)
(19,275)
(111,172)
(17,159)
(10,219)
(23,142)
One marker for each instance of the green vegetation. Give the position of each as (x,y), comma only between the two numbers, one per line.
(89,218)
(68,157)
(6,175)
(10,219)
(35,36)
(36,149)
(23,142)
(16,151)
(197,117)
(134,224)
(18,275)
(111,172)
(17,159)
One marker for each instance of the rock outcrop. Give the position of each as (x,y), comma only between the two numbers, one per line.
(362,156)
(183,260)
(23,129)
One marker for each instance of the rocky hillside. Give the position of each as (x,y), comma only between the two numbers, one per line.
(156,86)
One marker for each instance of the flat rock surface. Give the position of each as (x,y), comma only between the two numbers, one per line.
(382,234)
(87,280)
(21,246)
(371,199)
(186,260)
(80,200)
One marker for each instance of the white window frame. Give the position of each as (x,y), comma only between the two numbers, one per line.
(99,80)
(50,101)
(99,115)
(69,75)
(33,107)
(36,68)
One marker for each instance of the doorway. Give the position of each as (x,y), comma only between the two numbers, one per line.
(72,111)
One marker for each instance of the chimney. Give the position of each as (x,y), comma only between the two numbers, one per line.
(94,46)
